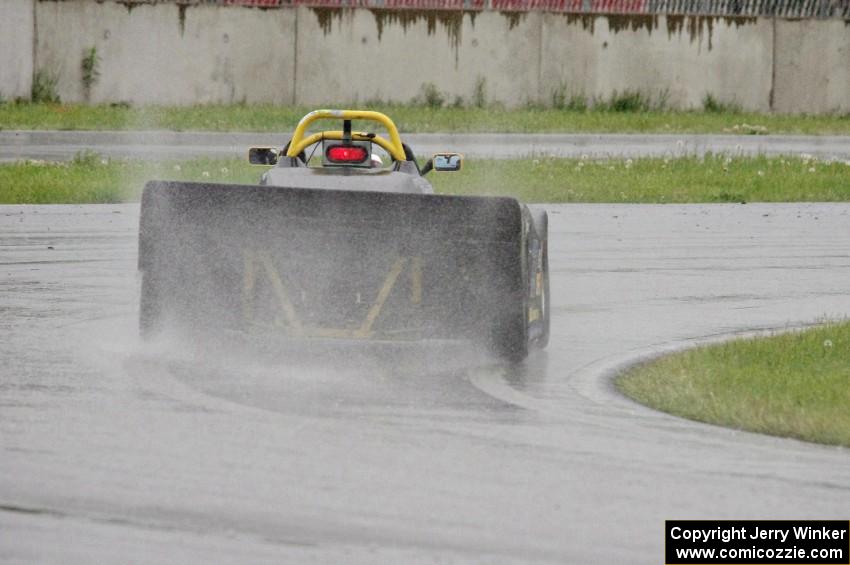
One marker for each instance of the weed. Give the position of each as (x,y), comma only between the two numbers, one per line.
(577,103)
(661,101)
(479,94)
(375,102)
(431,96)
(559,96)
(713,105)
(86,158)
(627,101)
(458,102)
(726,196)
(562,100)
(90,70)
(44,85)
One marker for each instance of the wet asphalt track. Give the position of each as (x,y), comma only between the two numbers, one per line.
(115,452)
(61,145)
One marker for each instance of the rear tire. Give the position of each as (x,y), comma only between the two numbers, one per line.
(509,339)
(541,225)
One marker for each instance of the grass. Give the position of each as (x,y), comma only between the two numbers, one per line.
(716,178)
(794,385)
(621,114)
(88,178)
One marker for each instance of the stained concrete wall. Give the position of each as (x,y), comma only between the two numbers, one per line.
(680,58)
(168,54)
(365,54)
(17,34)
(812,66)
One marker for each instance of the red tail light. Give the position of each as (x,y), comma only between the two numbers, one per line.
(346,154)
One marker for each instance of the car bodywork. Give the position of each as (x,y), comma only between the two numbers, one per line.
(344,251)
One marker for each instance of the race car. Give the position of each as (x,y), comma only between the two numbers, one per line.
(344,248)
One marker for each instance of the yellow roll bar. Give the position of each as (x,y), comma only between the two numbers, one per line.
(299,143)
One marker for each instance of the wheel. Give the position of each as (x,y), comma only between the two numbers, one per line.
(509,338)
(541,225)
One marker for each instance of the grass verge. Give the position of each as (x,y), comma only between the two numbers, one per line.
(793,385)
(715,178)
(90,178)
(418,119)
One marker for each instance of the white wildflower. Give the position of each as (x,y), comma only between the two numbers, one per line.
(177,168)
(205,174)
(827,343)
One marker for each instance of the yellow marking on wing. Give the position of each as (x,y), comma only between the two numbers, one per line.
(249,280)
(253,260)
(282,296)
(383,294)
(416,280)
(249,283)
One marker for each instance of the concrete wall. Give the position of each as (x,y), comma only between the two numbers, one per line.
(16,47)
(812,66)
(681,58)
(360,56)
(167,54)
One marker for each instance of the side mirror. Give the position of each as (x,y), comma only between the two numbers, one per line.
(262,156)
(447,162)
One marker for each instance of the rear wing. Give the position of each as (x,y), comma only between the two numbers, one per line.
(329,263)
